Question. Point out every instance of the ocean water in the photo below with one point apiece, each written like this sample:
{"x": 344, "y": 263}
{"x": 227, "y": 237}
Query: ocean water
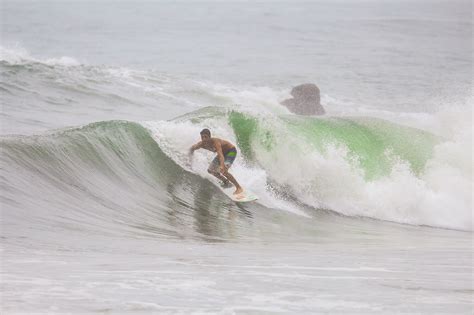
{"x": 365, "y": 210}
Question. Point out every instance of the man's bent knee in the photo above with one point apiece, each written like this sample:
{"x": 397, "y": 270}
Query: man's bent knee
{"x": 212, "y": 171}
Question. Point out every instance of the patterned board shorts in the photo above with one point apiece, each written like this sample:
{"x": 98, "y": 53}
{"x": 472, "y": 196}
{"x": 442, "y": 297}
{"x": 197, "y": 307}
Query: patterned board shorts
{"x": 229, "y": 158}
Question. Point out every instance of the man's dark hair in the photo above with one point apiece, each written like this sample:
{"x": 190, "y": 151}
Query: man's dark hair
{"x": 206, "y": 132}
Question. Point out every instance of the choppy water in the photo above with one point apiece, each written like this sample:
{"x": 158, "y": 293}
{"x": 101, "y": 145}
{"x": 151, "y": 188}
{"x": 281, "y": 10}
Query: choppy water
{"x": 365, "y": 210}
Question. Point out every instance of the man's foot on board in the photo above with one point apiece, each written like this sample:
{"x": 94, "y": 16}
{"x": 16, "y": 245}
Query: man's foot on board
{"x": 238, "y": 191}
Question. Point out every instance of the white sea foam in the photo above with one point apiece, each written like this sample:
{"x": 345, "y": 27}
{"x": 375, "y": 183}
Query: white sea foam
{"x": 440, "y": 195}
{"x": 256, "y": 99}
{"x": 20, "y": 56}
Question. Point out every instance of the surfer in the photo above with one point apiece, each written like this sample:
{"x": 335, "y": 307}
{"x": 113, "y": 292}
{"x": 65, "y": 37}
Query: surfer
{"x": 226, "y": 154}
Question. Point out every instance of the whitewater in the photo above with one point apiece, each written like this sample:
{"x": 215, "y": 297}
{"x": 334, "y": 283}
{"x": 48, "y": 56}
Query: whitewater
{"x": 364, "y": 210}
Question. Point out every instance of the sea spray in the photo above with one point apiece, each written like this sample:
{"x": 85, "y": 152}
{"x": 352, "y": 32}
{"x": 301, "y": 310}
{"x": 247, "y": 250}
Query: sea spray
{"x": 421, "y": 178}
{"x": 357, "y": 166}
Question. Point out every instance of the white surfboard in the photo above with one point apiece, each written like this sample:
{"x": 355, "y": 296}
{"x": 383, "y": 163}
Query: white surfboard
{"x": 245, "y": 196}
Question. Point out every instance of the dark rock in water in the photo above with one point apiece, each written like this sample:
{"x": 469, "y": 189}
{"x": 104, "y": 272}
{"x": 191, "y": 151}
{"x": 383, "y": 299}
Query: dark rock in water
{"x": 306, "y": 100}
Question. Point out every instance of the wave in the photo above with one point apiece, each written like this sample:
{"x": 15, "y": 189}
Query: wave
{"x": 107, "y": 177}
{"x": 129, "y": 174}
{"x": 357, "y": 166}
{"x": 19, "y": 56}
{"x": 64, "y": 92}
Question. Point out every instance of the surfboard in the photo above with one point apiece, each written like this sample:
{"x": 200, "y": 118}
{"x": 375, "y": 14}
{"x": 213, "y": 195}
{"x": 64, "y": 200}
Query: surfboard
{"x": 245, "y": 196}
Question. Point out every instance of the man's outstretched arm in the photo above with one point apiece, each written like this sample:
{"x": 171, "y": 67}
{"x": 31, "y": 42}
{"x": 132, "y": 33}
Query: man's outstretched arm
{"x": 195, "y": 147}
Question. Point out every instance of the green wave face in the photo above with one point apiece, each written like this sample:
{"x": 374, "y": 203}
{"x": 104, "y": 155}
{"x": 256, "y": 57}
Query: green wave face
{"x": 245, "y": 129}
{"x": 373, "y": 144}
{"x": 115, "y": 149}
{"x": 111, "y": 177}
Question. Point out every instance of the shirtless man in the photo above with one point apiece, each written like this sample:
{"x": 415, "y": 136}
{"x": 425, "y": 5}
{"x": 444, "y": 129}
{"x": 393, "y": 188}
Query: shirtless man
{"x": 226, "y": 154}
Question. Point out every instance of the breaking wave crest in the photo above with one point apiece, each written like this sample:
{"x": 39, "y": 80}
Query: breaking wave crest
{"x": 120, "y": 171}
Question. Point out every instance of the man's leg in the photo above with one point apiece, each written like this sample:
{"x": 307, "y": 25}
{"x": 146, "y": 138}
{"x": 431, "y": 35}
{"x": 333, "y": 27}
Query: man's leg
{"x": 218, "y": 175}
{"x": 214, "y": 170}
{"x": 229, "y": 176}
